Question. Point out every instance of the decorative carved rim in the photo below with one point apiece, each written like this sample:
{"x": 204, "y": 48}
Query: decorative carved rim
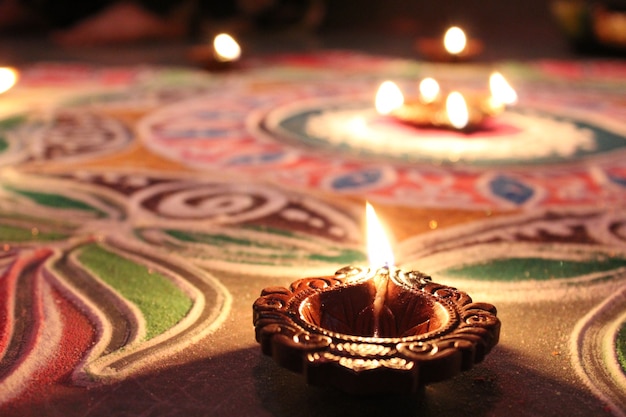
{"x": 301, "y": 329}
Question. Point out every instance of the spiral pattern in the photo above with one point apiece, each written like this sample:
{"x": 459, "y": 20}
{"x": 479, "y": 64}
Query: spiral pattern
{"x": 273, "y": 301}
{"x": 314, "y": 284}
{"x": 481, "y": 319}
{"x": 220, "y": 203}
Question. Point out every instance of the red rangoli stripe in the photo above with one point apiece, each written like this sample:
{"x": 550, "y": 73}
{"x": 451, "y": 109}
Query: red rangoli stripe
{"x": 77, "y": 337}
{"x": 8, "y": 288}
{"x": 7, "y": 297}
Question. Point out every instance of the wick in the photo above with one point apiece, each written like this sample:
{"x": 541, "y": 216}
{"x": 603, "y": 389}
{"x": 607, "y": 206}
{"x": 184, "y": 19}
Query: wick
{"x": 380, "y": 281}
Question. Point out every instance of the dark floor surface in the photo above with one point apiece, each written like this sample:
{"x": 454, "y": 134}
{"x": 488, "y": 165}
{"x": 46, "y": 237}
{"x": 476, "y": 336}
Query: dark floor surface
{"x": 509, "y": 29}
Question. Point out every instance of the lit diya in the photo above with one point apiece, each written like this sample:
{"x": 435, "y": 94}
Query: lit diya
{"x": 222, "y": 54}
{"x": 454, "y": 46}
{"x": 8, "y": 78}
{"x": 456, "y": 111}
{"x": 374, "y": 330}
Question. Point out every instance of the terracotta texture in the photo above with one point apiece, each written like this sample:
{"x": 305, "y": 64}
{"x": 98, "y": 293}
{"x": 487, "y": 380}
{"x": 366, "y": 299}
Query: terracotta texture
{"x": 365, "y": 331}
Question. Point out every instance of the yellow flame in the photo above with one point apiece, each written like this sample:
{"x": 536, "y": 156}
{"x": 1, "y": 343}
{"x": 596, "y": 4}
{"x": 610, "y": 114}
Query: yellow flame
{"x": 501, "y": 90}
{"x": 226, "y": 48}
{"x": 388, "y": 97}
{"x": 378, "y": 247}
{"x": 8, "y": 78}
{"x": 454, "y": 40}
{"x": 457, "y": 111}
{"x": 429, "y": 90}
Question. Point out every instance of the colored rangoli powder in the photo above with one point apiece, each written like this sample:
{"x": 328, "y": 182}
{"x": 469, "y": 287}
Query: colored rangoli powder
{"x": 620, "y": 345}
{"x": 162, "y": 303}
{"x": 519, "y": 269}
{"x": 273, "y": 253}
{"x": 55, "y": 200}
{"x": 19, "y": 234}
{"x": 214, "y": 239}
{"x": 8, "y": 124}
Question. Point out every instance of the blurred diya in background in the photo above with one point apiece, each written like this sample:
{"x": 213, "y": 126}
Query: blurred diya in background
{"x": 423, "y": 122}
{"x": 223, "y": 53}
{"x": 8, "y": 78}
{"x": 454, "y": 46}
{"x": 454, "y": 110}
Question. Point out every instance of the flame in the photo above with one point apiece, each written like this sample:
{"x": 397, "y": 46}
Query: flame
{"x": 454, "y": 40}
{"x": 378, "y": 247}
{"x": 429, "y": 90}
{"x": 457, "y": 111}
{"x": 501, "y": 90}
{"x": 388, "y": 98}
{"x": 8, "y": 78}
{"x": 226, "y": 48}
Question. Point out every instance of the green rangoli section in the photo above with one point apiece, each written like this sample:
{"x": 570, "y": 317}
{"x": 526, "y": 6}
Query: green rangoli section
{"x": 343, "y": 257}
{"x": 521, "y": 269}
{"x": 217, "y": 239}
{"x": 12, "y": 122}
{"x": 162, "y": 303}
{"x": 7, "y": 124}
{"x": 620, "y": 346}
{"x": 272, "y": 253}
{"x": 55, "y": 200}
{"x": 19, "y": 234}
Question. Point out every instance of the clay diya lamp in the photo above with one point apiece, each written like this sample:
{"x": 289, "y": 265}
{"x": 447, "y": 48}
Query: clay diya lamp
{"x": 371, "y": 331}
{"x": 223, "y": 54}
{"x": 463, "y": 112}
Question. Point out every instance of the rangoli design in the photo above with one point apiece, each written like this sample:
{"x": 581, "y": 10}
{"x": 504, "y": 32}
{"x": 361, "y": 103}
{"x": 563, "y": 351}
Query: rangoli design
{"x": 300, "y": 127}
{"x": 146, "y": 203}
{"x": 94, "y": 259}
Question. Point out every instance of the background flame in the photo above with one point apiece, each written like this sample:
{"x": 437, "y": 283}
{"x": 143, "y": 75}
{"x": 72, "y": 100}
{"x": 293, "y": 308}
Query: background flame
{"x": 429, "y": 90}
{"x": 454, "y": 40}
{"x": 388, "y": 98}
{"x": 457, "y": 110}
{"x": 226, "y": 48}
{"x": 8, "y": 78}
{"x": 501, "y": 90}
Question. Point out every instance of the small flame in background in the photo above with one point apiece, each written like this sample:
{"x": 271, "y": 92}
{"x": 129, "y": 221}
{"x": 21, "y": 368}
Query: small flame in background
{"x": 454, "y": 40}
{"x": 457, "y": 111}
{"x": 429, "y": 90}
{"x": 388, "y": 98}
{"x": 8, "y": 78}
{"x": 501, "y": 90}
{"x": 226, "y": 48}
{"x": 378, "y": 247}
